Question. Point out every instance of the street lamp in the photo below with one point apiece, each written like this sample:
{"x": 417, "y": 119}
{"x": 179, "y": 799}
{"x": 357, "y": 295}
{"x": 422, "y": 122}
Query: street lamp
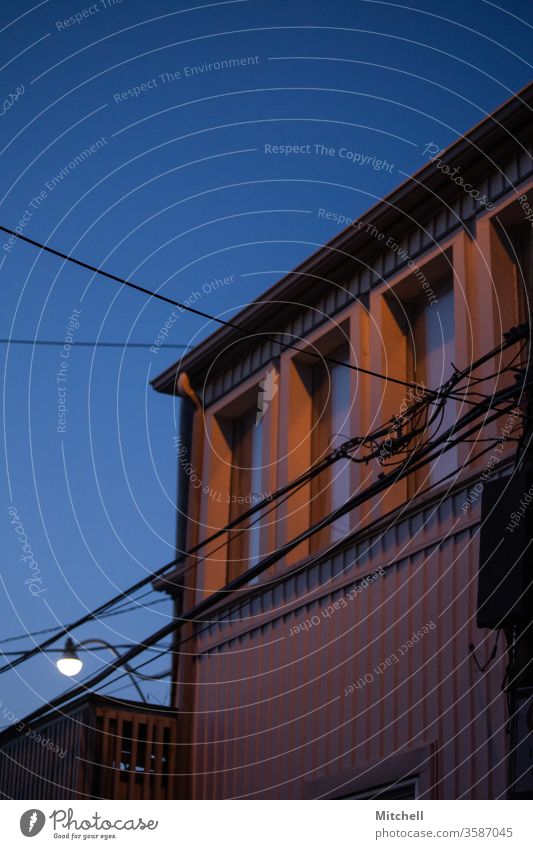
{"x": 70, "y": 664}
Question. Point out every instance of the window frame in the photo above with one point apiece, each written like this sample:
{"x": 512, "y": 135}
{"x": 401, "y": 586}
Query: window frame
{"x": 416, "y": 308}
{"x": 242, "y": 467}
{"x": 322, "y": 442}
{"x": 418, "y": 764}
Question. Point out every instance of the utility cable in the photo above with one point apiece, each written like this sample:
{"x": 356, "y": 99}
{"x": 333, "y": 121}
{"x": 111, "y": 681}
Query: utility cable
{"x": 231, "y": 324}
{"x": 193, "y": 614}
{"x": 59, "y": 344}
{"x": 308, "y": 475}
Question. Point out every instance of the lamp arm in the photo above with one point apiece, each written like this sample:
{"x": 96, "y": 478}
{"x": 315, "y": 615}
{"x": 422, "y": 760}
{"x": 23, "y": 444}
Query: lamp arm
{"x": 116, "y": 653}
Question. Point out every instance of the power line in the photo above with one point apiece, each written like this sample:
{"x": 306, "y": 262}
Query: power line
{"x": 509, "y": 339}
{"x": 201, "y": 313}
{"x": 366, "y": 531}
{"x": 135, "y": 669}
{"x": 373, "y": 489}
{"x": 193, "y": 614}
{"x": 126, "y": 608}
{"x": 284, "y": 493}
{"x": 99, "y": 612}
{"x": 108, "y": 615}
{"x": 125, "y": 594}
{"x": 89, "y": 649}
{"x": 59, "y": 344}
{"x": 153, "y": 639}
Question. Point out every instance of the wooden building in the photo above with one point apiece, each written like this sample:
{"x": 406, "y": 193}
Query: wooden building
{"x": 99, "y": 748}
{"x": 346, "y": 669}
{"x": 351, "y": 665}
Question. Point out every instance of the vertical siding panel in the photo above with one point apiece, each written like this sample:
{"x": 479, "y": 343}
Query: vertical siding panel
{"x": 238, "y": 716}
{"x": 402, "y": 700}
{"x": 262, "y": 751}
{"x": 225, "y": 689}
{"x": 270, "y": 718}
{"x": 384, "y": 603}
{"x": 288, "y": 703}
{"x": 326, "y": 653}
{"x": 467, "y": 679}
{"x": 392, "y": 586}
{"x": 369, "y": 656}
{"x": 283, "y": 654}
{"x": 239, "y": 720}
{"x": 359, "y": 701}
{"x": 419, "y": 652}
{"x": 300, "y": 685}
{"x": 219, "y": 687}
{"x": 314, "y": 694}
{"x": 201, "y": 725}
{"x": 340, "y": 649}
{"x": 212, "y": 747}
{"x": 462, "y": 665}
{"x": 344, "y": 650}
{"x": 446, "y": 748}
{"x": 337, "y": 659}
{"x": 253, "y": 777}
{"x": 246, "y": 721}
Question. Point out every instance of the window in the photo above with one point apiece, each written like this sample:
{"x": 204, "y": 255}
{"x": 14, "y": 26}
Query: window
{"x": 398, "y": 790}
{"x": 510, "y": 240}
{"x": 431, "y": 354}
{"x": 245, "y": 491}
{"x": 522, "y": 240}
{"x": 330, "y": 428}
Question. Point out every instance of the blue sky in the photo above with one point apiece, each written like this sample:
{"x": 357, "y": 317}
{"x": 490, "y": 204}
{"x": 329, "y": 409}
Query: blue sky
{"x": 182, "y": 186}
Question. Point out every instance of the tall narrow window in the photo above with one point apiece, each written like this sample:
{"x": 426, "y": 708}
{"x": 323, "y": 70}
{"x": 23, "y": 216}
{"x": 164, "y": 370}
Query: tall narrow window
{"x": 330, "y": 428}
{"x": 432, "y": 326}
{"x": 246, "y": 490}
{"x": 523, "y": 263}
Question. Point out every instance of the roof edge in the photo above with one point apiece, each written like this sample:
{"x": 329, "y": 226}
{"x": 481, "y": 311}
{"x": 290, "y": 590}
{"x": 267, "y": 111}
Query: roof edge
{"x": 468, "y": 146}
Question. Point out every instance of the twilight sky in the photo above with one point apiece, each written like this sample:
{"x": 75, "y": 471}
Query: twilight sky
{"x": 198, "y": 168}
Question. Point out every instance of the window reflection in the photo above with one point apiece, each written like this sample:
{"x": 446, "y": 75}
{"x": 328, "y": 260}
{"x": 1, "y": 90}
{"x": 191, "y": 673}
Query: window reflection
{"x": 330, "y": 428}
{"x": 432, "y": 354}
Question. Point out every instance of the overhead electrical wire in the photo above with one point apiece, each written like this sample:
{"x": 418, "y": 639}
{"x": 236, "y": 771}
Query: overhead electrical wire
{"x": 126, "y": 607}
{"x": 125, "y": 595}
{"x": 259, "y": 589}
{"x": 85, "y": 648}
{"x": 231, "y": 324}
{"x": 341, "y": 451}
{"x": 193, "y": 614}
{"x": 256, "y": 591}
{"x": 75, "y": 344}
{"x": 119, "y": 610}
{"x": 422, "y": 456}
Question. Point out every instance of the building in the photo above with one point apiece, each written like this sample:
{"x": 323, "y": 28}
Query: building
{"x": 351, "y": 666}
{"x": 97, "y": 748}
{"x": 351, "y": 662}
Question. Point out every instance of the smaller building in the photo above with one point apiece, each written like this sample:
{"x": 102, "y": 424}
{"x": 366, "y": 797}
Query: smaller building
{"x": 98, "y": 748}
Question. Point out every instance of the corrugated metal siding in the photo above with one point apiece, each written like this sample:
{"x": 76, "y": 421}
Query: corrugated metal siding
{"x": 30, "y": 771}
{"x": 271, "y": 711}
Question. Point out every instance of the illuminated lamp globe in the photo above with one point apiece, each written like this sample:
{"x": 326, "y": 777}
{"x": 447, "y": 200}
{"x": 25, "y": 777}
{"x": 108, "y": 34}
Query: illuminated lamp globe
{"x": 69, "y": 663}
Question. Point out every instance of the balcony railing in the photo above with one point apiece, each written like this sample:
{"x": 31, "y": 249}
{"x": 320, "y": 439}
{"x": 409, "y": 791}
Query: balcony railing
{"x": 101, "y": 748}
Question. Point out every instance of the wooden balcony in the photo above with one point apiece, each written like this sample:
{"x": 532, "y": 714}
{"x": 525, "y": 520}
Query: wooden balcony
{"x": 99, "y": 748}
